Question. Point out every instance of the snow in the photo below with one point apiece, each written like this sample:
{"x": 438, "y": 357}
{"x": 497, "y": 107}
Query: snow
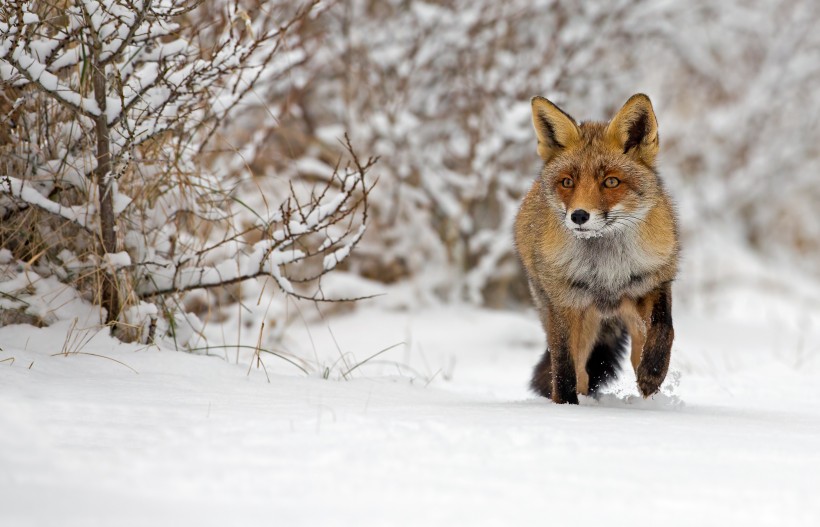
{"x": 68, "y": 169}
{"x": 116, "y": 260}
{"x": 26, "y": 193}
{"x": 438, "y": 430}
{"x": 266, "y": 258}
{"x": 21, "y": 288}
{"x": 333, "y": 259}
{"x": 35, "y": 71}
{"x": 308, "y": 165}
{"x": 68, "y": 58}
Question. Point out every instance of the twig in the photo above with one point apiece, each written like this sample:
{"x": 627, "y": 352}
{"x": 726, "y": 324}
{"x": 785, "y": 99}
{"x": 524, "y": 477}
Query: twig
{"x": 94, "y": 355}
{"x": 372, "y": 357}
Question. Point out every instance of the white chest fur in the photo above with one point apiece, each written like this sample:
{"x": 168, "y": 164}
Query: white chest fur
{"x": 607, "y": 266}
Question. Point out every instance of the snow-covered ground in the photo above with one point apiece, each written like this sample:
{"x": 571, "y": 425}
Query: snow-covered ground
{"x": 438, "y": 430}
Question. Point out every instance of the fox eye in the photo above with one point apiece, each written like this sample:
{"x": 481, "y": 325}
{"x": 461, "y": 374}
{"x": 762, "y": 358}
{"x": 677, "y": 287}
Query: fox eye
{"x": 612, "y": 182}
{"x": 566, "y": 182}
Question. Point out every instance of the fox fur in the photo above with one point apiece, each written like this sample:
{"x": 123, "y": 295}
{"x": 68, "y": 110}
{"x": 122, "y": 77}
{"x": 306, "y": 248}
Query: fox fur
{"x": 598, "y": 240}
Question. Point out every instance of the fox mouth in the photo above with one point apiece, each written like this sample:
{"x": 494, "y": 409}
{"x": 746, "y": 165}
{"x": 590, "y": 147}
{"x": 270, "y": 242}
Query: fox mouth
{"x": 586, "y": 232}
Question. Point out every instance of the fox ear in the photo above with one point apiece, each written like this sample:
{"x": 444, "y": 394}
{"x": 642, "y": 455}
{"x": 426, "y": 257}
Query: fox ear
{"x": 634, "y": 130}
{"x": 555, "y": 129}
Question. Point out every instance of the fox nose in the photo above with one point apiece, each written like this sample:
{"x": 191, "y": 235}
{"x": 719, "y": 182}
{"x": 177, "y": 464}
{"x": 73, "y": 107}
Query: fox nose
{"x": 579, "y": 216}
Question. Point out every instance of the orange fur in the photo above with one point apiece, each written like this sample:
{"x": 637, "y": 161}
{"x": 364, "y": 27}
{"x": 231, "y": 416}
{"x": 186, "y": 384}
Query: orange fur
{"x": 613, "y": 270}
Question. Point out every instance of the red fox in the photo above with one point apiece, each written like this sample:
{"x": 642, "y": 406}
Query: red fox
{"x": 598, "y": 239}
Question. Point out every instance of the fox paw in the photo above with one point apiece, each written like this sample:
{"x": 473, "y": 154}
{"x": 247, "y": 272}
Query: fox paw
{"x": 567, "y": 398}
{"x": 649, "y": 380}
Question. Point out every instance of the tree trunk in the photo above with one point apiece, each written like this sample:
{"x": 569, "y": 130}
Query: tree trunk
{"x": 102, "y": 177}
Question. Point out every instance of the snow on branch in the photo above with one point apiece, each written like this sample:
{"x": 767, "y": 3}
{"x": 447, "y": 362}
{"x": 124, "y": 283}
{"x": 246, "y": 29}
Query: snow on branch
{"x": 82, "y": 216}
{"x": 327, "y": 225}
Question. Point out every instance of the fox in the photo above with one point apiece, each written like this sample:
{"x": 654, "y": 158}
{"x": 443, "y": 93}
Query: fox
{"x": 597, "y": 237}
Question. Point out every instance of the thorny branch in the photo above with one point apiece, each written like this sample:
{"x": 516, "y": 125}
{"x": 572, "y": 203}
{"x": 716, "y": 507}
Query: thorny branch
{"x": 301, "y": 229}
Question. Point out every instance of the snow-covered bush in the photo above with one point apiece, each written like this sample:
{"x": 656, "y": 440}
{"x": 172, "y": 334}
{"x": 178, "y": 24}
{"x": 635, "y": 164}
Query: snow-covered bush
{"x": 109, "y": 110}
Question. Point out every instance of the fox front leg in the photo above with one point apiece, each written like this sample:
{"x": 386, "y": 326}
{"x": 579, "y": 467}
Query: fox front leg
{"x": 563, "y": 370}
{"x": 657, "y": 349}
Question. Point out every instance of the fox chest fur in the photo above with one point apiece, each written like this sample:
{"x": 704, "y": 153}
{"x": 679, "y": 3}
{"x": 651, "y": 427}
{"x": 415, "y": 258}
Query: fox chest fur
{"x": 604, "y": 270}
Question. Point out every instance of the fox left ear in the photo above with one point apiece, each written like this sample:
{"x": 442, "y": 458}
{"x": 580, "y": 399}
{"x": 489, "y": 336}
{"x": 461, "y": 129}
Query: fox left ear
{"x": 634, "y": 130}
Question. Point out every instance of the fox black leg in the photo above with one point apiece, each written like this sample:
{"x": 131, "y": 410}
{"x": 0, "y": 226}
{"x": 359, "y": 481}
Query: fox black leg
{"x": 563, "y": 371}
{"x": 541, "y": 382}
{"x": 659, "y": 335}
{"x": 563, "y": 376}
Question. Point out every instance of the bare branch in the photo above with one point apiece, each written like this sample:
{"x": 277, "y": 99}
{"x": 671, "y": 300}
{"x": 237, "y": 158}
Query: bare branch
{"x": 278, "y": 251}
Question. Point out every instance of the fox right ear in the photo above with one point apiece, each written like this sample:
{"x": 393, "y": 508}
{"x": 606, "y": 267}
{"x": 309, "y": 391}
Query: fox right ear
{"x": 555, "y": 129}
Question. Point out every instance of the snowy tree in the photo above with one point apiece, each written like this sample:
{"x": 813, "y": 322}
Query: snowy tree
{"x": 108, "y": 107}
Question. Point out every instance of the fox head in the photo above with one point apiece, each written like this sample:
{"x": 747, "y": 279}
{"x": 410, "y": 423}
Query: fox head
{"x": 598, "y": 177}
